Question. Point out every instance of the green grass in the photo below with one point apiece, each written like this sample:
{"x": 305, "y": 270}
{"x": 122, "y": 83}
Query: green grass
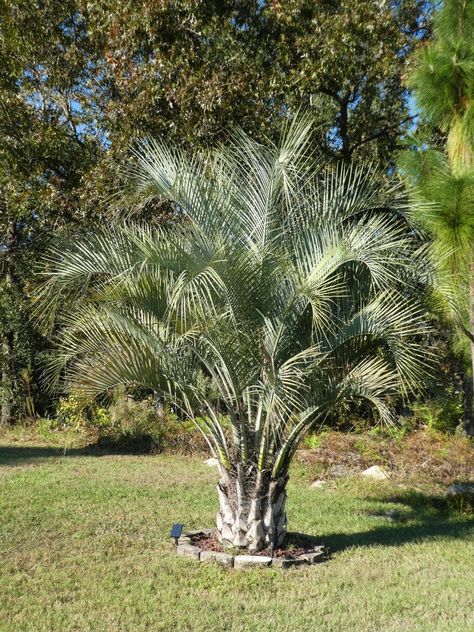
{"x": 84, "y": 546}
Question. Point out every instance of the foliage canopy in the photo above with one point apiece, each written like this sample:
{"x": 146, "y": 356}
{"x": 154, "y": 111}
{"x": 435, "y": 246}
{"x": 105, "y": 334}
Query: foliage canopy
{"x": 290, "y": 285}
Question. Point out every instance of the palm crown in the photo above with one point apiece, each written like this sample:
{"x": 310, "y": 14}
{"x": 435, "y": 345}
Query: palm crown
{"x": 289, "y": 285}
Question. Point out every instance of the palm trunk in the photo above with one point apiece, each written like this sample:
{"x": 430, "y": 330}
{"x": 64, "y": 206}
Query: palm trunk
{"x": 252, "y": 512}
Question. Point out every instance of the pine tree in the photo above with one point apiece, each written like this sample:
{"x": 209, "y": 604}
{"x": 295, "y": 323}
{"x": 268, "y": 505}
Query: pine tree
{"x": 443, "y": 170}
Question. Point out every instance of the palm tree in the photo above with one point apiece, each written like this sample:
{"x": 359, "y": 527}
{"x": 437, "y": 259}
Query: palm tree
{"x": 443, "y": 83}
{"x": 291, "y": 286}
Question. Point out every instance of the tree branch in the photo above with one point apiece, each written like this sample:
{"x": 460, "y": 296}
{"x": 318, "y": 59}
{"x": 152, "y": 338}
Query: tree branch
{"x": 383, "y": 131}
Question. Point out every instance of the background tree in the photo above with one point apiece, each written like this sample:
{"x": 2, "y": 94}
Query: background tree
{"x": 347, "y": 59}
{"x": 442, "y": 169}
{"x": 190, "y": 70}
{"x": 292, "y": 288}
{"x": 80, "y": 80}
{"x": 44, "y": 150}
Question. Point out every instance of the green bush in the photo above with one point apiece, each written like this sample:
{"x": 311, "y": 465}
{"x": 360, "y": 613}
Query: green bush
{"x": 141, "y": 427}
{"x": 311, "y": 441}
{"x": 443, "y": 414}
{"x": 71, "y": 412}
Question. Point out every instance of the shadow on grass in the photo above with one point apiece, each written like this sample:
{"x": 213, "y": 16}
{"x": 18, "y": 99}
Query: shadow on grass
{"x": 142, "y": 444}
{"x": 401, "y": 534}
{"x": 11, "y": 456}
{"x": 430, "y": 517}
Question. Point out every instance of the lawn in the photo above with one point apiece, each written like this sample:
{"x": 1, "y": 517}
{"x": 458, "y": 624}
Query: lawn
{"x": 84, "y": 546}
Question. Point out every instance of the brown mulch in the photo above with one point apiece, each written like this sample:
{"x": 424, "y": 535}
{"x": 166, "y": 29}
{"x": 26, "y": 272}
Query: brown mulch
{"x": 295, "y": 544}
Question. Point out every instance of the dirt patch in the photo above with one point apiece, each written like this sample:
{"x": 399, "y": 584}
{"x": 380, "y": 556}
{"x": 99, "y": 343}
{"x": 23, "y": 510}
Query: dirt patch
{"x": 424, "y": 457}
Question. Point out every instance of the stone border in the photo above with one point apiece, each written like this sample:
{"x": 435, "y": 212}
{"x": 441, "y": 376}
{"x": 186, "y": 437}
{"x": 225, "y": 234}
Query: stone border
{"x": 186, "y": 548}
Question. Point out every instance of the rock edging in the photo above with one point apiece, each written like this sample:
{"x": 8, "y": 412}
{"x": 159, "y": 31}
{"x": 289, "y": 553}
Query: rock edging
{"x": 186, "y": 548}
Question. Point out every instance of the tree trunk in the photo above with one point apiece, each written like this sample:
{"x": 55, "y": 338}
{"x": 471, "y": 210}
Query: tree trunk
{"x": 7, "y": 341}
{"x": 252, "y": 512}
{"x": 6, "y": 410}
{"x": 468, "y": 425}
{"x": 346, "y": 150}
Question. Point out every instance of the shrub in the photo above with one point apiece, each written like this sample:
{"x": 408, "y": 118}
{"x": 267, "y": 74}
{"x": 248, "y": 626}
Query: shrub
{"x": 311, "y": 441}
{"x": 443, "y": 414}
{"x": 143, "y": 427}
{"x": 71, "y": 412}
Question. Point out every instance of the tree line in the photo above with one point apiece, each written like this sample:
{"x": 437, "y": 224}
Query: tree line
{"x": 81, "y": 81}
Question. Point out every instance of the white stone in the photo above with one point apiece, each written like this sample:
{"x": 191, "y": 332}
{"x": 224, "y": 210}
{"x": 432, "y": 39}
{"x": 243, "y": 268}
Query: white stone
{"x": 376, "y": 472}
{"x": 247, "y": 561}
{"x": 186, "y": 550}
{"x": 216, "y": 556}
{"x": 211, "y": 462}
{"x": 313, "y": 558}
{"x": 318, "y": 483}
{"x": 460, "y": 489}
{"x": 284, "y": 562}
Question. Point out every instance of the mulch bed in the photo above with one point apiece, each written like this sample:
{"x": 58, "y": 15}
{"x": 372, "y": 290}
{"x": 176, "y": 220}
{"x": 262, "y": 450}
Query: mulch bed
{"x": 295, "y": 544}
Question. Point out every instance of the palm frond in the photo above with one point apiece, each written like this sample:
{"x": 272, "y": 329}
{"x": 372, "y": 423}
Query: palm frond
{"x": 289, "y": 285}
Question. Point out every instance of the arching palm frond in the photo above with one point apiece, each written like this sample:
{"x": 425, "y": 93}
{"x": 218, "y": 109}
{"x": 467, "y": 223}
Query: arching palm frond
{"x": 291, "y": 285}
